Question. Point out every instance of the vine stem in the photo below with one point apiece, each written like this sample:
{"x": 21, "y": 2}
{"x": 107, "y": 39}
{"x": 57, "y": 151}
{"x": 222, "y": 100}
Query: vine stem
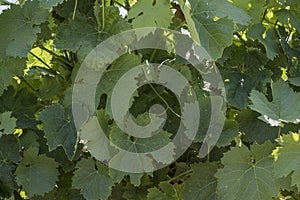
{"x": 68, "y": 64}
{"x": 180, "y": 175}
{"x": 48, "y": 67}
{"x": 28, "y": 84}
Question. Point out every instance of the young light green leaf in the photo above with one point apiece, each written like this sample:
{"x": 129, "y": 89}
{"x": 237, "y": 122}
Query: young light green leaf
{"x": 92, "y": 179}
{"x": 280, "y": 109}
{"x": 247, "y": 174}
{"x": 7, "y": 123}
{"x": 37, "y": 174}
{"x": 287, "y": 158}
{"x": 59, "y": 130}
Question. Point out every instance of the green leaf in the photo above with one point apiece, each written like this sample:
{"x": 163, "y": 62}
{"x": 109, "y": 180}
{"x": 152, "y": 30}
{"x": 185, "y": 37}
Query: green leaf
{"x": 7, "y": 123}
{"x": 59, "y": 129}
{"x": 255, "y": 129}
{"x": 150, "y": 13}
{"x": 118, "y": 176}
{"x": 290, "y": 15}
{"x": 37, "y": 174}
{"x": 214, "y": 35}
{"x": 111, "y": 76}
{"x": 202, "y": 183}
{"x": 288, "y": 158}
{"x": 9, "y": 157}
{"x": 247, "y": 174}
{"x": 23, "y": 105}
{"x": 92, "y": 179}
{"x": 166, "y": 192}
{"x": 10, "y": 67}
{"x": 21, "y": 28}
{"x": 49, "y": 3}
{"x": 69, "y": 37}
{"x": 280, "y": 109}
{"x": 268, "y": 38}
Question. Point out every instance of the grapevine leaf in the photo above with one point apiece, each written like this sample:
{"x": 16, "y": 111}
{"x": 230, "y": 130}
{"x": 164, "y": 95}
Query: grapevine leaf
{"x": 97, "y": 143}
{"x": 22, "y": 104}
{"x": 149, "y": 13}
{"x": 37, "y": 174}
{"x": 59, "y": 130}
{"x": 9, "y": 157}
{"x": 229, "y": 132}
{"x": 111, "y": 76}
{"x": 49, "y": 3}
{"x": 280, "y": 109}
{"x": 69, "y": 37}
{"x": 224, "y": 9}
{"x": 268, "y": 38}
{"x": 202, "y": 184}
{"x": 295, "y": 81}
{"x": 288, "y": 160}
{"x": 139, "y": 145}
{"x": 166, "y": 192}
{"x": 292, "y": 14}
{"x": 247, "y": 174}
{"x": 255, "y": 129}
{"x": 18, "y": 20}
{"x": 92, "y": 179}
{"x": 117, "y": 176}
{"x": 7, "y": 123}
{"x": 214, "y": 35}
{"x": 9, "y": 68}
{"x": 239, "y": 86}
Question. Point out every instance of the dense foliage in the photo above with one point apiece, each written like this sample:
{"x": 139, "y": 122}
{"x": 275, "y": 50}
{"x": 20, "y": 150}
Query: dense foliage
{"x": 256, "y": 47}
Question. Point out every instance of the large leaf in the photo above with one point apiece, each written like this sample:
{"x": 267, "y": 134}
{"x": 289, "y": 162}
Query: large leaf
{"x": 288, "y": 158}
{"x": 9, "y": 157}
{"x": 166, "y": 192}
{"x": 202, "y": 184}
{"x": 92, "y": 179}
{"x": 10, "y": 67}
{"x": 7, "y": 123}
{"x": 214, "y": 35}
{"x": 150, "y": 13}
{"x": 111, "y": 76}
{"x": 247, "y": 174}
{"x": 59, "y": 130}
{"x": 37, "y": 174}
{"x": 21, "y": 28}
{"x": 268, "y": 38}
{"x": 285, "y": 106}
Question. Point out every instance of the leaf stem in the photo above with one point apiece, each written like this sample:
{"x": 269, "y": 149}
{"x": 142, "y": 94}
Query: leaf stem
{"x": 75, "y": 8}
{"x": 165, "y": 102}
{"x": 279, "y": 131}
